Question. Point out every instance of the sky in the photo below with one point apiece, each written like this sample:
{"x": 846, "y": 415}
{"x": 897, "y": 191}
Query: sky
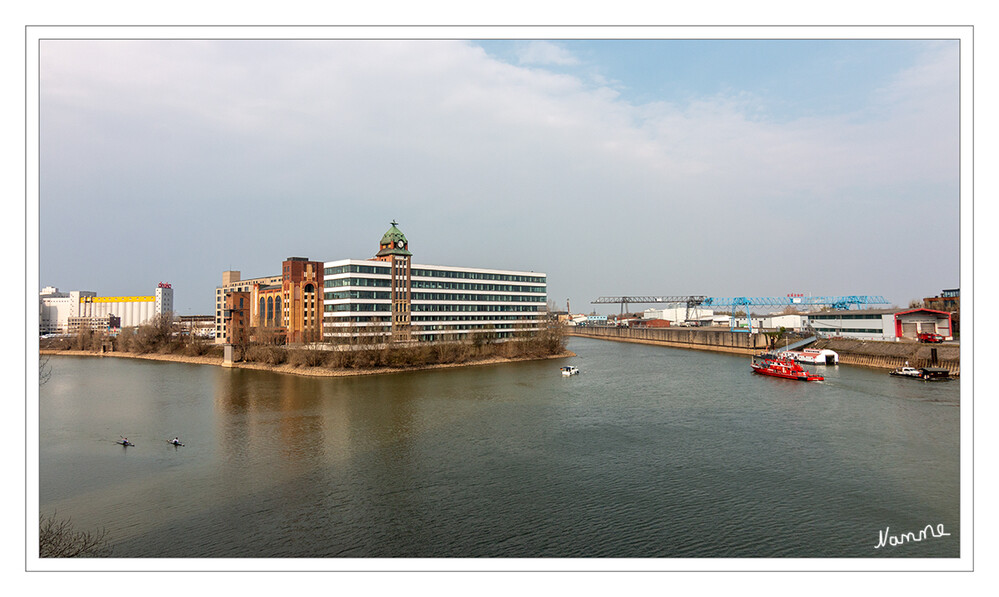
{"x": 617, "y": 167}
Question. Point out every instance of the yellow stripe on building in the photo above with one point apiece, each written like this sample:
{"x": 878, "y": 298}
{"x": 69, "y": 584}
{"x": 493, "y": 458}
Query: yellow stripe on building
{"x": 117, "y": 299}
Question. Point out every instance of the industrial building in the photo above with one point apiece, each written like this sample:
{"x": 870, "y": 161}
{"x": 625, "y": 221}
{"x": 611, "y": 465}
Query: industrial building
{"x": 286, "y": 308}
{"x": 232, "y": 282}
{"x": 384, "y": 298}
{"x": 681, "y": 315}
{"x": 881, "y": 324}
{"x": 388, "y": 297}
{"x": 67, "y": 312}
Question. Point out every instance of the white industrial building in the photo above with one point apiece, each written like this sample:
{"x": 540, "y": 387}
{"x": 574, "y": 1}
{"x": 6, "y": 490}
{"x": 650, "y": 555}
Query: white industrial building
{"x": 63, "y": 312}
{"x": 678, "y": 315}
{"x": 795, "y": 322}
{"x": 447, "y": 302}
{"x": 881, "y": 324}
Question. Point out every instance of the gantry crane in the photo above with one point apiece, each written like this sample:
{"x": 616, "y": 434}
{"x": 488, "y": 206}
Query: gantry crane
{"x": 690, "y": 301}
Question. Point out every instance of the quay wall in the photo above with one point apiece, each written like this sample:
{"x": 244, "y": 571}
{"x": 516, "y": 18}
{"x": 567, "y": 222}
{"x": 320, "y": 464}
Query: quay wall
{"x": 698, "y": 339}
{"x": 892, "y": 355}
{"x": 890, "y": 362}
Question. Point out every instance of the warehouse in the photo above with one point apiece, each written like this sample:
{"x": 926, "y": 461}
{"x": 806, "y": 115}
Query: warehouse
{"x": 867, "y": 324}
{"x": 909, "y": 324}
{"x": 881, "y": 324}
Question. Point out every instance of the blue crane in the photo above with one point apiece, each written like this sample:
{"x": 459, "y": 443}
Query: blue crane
{"x": 836, "y": 302}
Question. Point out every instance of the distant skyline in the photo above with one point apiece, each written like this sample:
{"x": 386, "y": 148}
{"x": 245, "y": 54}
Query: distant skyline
{"x": 617, "y": 167}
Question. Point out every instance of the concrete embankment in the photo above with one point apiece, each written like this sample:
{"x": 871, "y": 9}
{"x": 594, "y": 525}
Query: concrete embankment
{"x": 695, "y": 338}
{"x": 881, "y": 355}
{"x": 892, "y": 355}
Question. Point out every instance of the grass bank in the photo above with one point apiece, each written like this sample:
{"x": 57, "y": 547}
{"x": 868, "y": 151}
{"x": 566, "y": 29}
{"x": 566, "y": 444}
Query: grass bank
{"x": 160, "y": 341}
{"x": 310, "y": 371}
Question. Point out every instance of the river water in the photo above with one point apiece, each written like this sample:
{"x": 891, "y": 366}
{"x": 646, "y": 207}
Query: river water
{"x": 649, "y": 452}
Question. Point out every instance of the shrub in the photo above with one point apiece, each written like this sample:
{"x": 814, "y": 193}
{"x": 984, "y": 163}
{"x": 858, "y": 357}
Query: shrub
{"x": 308, "y": 357}
{"x": 269, "y": 355}
{"x": 197, "y": 348}
{"x": 58, "y": 539}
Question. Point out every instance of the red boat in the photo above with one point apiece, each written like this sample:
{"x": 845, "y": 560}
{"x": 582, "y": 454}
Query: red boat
{"x": 782, "y": 366}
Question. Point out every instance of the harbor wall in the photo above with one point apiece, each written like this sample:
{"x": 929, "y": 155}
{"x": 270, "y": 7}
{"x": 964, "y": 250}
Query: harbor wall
{"x": 698, "y": 339}
{"x": 892, "y": 355}
{"x": 890, "y": 362}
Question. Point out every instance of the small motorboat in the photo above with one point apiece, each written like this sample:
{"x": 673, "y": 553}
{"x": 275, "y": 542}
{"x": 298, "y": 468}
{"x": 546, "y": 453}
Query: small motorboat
{"x": 569, "y": 370}
{"x": 925, "y": 373}
{"x": 777, "y": 365}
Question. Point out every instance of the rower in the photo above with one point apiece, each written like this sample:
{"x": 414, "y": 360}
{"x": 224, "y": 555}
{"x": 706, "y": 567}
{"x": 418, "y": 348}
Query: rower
{"x": 176, "y": 441}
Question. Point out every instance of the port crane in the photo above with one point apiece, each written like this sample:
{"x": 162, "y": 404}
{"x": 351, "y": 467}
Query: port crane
{"x": 836, "y": 302}
{"x": 690, "y": 301}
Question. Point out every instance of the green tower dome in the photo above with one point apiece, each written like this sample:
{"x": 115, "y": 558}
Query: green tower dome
{"x": 393, "y": 242}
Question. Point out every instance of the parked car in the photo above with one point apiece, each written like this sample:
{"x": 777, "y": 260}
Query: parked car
{"x": 931, "y": 338}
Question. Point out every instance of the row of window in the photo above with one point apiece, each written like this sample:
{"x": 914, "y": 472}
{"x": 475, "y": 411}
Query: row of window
{"x": 487, "y": 308}
{"x": 433, "y": 285}
{"x": 505, "y": 298}
{"x": 850, "y": 330}
{"x": 334, "y": 320}
{"x": 341, "y": 307}
{"x": 427, "y": 296}
{"x": 820, "y": 317}
{"x": 422, "y": 284}
{"x": 432, "y": 273}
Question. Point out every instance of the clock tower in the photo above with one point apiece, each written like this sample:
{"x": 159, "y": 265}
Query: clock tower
{"x": 394, "y": 248}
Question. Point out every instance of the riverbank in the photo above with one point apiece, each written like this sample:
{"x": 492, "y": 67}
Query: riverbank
{"x": 300, "y": 370}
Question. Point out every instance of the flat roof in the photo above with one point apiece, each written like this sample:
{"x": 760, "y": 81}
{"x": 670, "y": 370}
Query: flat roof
{"x": 453, "y": 268}
{"x": 906, "y": 312}
{"x": 852, "y": 312}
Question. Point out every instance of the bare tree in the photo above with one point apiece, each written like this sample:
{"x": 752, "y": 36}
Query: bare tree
{"x": 44, "y": 370}
{"x": 58, "y": 539}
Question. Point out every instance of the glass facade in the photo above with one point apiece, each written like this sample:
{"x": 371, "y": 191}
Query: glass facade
{"x": 447, "y": 303}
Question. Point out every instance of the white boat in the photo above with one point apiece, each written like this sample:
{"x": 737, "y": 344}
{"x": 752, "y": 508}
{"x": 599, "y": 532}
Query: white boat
{"x": 570, "y": 370}
{"x": 814, "y": 356}
{"x": 928, "y": 373}
{"x": 907, "y": 372}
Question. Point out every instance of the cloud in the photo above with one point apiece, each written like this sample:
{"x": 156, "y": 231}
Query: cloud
{"x": 310, "y": 147}
{"x": 545, "y": 53}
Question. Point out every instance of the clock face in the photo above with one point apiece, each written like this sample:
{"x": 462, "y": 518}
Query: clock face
{"x": 399, "y": 244}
